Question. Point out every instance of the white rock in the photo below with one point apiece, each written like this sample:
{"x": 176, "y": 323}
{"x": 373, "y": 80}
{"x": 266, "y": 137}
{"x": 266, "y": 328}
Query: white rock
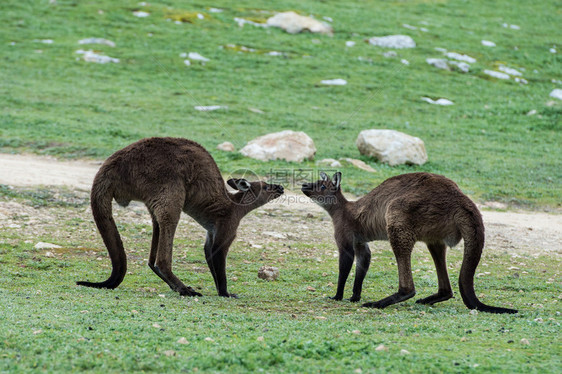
{"x": 392, "y": 147}
{"x": 405, "y": 62}
{"x": 226, "y": 146}
{"x": 404, "y": 352}
{"x": 329, "y": 19}
{"x": 241, "y": 22}
{"x": 187, "y": 62}
{"x": 43, "y": 245}
{"x": 97, "y": 41}
{"x": 552, "y": 50}
{"x": 215, "y": 10}
{"x": 285, "y": 145}
{"x": 256, "y": 110}
{"x": 200, "y": 16}
{"x": 510, "y": 71}
{"x": 209, "y": 108}
{"x": 488, "y": 43}
{"x": 333, "y": 163}
{"x": 462, "y": 66}
{"x": 380, "y": 348}
{"x": 197, "y": 57}
{"x": 496, "y": 74}
{"x": 183, "y": 55}
{"x": 334, "y": 82}
{"x": 91, "y": 56}
{"x": 349, "y": 43}
{"x": 520, "y": 80}
{"x": 269, "y": 273}
{"x": 359, "y": 164}
{"x": 438, "y": 101}
{"x": 460, "y": 57}
{"x": 424, "y": 29}
{"x": 439, "y": 49}
{"x": 390, "y": 54}
{"x": 514, "y": 27}
{"x": 532, "y": 112}
{"x": 556, "y": 93}
{"x": 294, "y": 23}
{"x": 410, "y": 27}
{"x": 438, "y": 63}
{"x": 275, "y": 53}
{"x": 141, "y": 14}
{"x": 393, "y": 41}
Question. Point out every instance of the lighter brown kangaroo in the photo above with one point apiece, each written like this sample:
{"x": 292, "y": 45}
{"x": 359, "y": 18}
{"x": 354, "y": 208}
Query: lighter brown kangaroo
{"x": 405, "y": 209}
{"x": 171, "y": 175}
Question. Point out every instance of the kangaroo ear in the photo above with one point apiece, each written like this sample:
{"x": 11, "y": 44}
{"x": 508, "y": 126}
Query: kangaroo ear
{"x": 232, "y": 183}
{"x": 336, "y": 180}
{"x": 324, "y": 176}
{"x": 239, "y": 184}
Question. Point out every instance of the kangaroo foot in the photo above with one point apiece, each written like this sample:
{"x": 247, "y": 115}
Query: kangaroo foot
{"x": 354, "y": 298}
{"x": 232, "y": 295}
{"x": 188, "y": 291}
{"x": 337, "y": 298}
{"x": 436, "y": 298}
{"x": 392, "y": 299}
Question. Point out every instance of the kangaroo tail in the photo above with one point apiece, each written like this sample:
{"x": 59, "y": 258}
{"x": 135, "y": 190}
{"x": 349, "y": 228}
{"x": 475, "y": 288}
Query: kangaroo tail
{"x": 472, "y": 230}
{"x": 100, "y": 201}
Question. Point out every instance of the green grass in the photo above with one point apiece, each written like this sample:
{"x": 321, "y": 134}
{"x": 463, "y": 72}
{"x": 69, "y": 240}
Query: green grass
{"x": 54, "y": 103}
{"x": 49, "y": 324}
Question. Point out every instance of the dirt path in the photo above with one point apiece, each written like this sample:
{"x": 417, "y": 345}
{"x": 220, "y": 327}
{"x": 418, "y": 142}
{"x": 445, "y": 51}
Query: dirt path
{"x": 512, "y": 231}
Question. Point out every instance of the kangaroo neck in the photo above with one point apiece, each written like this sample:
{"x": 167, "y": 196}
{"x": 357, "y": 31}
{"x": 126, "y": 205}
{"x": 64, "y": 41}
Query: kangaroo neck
{"x": 339, "y": 207}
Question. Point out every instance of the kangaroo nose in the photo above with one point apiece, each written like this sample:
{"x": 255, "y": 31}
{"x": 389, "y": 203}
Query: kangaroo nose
{"x": 280, "y": 188}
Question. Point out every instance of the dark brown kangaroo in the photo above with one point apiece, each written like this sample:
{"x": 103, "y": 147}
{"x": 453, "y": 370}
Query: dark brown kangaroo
{"x": 171, "y": 175}
{"x": 405, "y": 209}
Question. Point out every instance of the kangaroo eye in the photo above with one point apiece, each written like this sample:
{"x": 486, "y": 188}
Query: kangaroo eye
{"x": 323, "y": 187}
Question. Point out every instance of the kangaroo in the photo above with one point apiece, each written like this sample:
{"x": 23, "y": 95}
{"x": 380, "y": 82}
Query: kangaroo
{"x": 171, "y": 175}
{"x": 405, "y": 209}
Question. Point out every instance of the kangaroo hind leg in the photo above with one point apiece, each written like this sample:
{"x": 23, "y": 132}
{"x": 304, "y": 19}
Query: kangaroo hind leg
{"x": 165, "y": 221}
{"x": 438, "y": 251}
{"x": 402, "y": 241}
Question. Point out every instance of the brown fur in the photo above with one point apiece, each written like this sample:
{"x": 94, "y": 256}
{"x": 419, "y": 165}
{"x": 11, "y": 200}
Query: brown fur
{"x": 405, "y": 209}
{"x": 171, "y": 175}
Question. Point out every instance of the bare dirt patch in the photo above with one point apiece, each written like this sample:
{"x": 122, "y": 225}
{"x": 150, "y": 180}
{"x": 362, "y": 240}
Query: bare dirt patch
{"x": 292, "y": 218}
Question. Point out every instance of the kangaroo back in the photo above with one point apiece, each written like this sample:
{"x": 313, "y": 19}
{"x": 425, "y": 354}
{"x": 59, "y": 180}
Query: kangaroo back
{"x": 470, "y": 224}
{"x": 100, "y": 200}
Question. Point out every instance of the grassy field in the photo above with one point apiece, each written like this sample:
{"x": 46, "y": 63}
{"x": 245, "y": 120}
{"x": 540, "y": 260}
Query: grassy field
{"x": 53, "y": 102}
{"x": 289, "y": 325}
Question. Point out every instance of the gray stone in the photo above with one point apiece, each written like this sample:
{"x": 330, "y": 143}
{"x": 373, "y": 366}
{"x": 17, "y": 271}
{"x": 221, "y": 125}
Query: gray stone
{"x": 269, "y": 273}
{"x": 393, "y": 41}
{"x": 359, "y": 164}
{"x": 294, "y": 23}
{"x": 285, "y": 145}
{"x": 556, "y": 93}
{"x": 226, "y": 146}
{"x": 392, "y": 147}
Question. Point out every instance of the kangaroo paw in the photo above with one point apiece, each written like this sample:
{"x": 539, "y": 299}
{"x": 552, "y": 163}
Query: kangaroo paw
{"x": 436, "y": 298}
{"x": 188, "y": 291}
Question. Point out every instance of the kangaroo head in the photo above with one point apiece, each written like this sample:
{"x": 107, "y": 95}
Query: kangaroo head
{"x": 323, "y": 192}
{"x": 254, "y": 193}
